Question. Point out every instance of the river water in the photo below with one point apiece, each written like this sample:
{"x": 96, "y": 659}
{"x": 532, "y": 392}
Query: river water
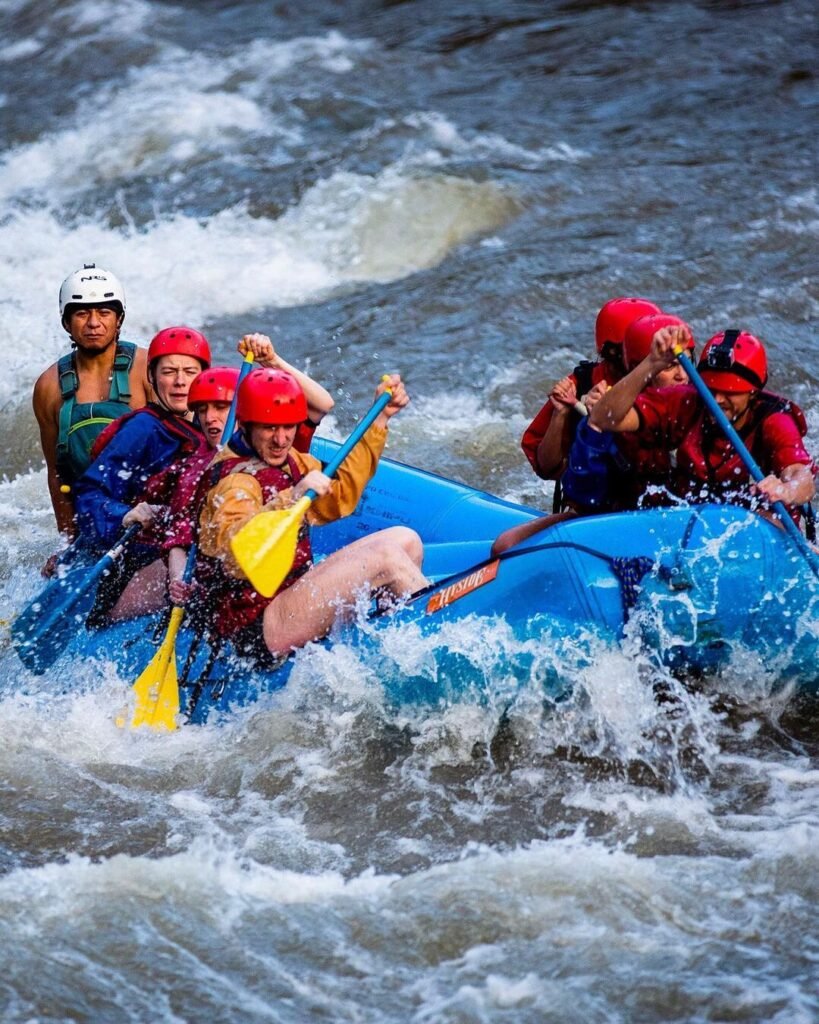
{"x": 452, "y": 191}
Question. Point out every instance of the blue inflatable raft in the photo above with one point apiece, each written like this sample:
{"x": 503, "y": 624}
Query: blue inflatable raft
{"x": 693, "y": 584}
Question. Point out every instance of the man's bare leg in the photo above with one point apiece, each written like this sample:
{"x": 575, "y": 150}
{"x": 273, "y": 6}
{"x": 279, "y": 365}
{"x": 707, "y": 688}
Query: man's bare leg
{"x": 388, "y": 561}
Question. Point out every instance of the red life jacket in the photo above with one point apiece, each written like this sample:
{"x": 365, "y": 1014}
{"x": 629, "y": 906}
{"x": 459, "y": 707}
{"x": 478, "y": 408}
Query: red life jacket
{"x": 708, "y": 466}
{"x": 233, "y": 603}
{"x": 643, "y": 474}
{"x": 175, "y": 489}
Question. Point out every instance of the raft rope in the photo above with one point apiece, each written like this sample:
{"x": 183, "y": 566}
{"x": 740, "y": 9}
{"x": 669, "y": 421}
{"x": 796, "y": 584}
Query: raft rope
{"x": 628, "y": 570}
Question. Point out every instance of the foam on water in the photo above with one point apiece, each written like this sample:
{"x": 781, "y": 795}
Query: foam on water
{"x": 165, "y": 114}
{"x": 481, "y": 928}
{"x": 448, "y": 141}
{"x": 71, "y": 889}
{"x": 234, "y": 812}
{"x": 348, "y": 229}
{"x": 29, "y": 537}
{"x": 88, "y": 20}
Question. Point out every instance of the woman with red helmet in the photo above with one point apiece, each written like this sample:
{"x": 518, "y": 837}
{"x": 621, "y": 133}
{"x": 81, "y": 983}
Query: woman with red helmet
{"x": 264, "y": 470}
{"x": 548, "y": 438}
{"x": 734, "y": 366}
{"x": 210, "y": 398}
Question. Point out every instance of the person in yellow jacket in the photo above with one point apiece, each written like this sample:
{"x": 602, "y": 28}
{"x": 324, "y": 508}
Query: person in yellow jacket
{"x": 263, "y": 471}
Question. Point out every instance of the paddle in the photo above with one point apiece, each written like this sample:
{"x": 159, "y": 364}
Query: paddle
{"x": 266, "y": 546}
{"x": 790, "y": 526}
{"x": 230, "y": 422}
{"x": 41, "y": 631}
{"x": 157, "y": 687}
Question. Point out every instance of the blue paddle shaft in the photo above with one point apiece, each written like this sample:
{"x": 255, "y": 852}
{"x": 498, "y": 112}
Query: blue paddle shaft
{"x": 227, "y": 433}
{"x": 750, "y": 464}
{"x": 230, "y": 422}
{"x": 332, "y": 467}
{"x": 101, "y": 567}
{"x": 52, "y": 614}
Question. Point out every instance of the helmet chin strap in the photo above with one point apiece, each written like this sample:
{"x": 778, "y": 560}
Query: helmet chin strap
{"x": 159, "y": 401}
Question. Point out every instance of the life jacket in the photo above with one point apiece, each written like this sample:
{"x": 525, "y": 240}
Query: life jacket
{"x": 176, "y": 489}
{"x": 709, "y": 465}
{"x": 587, "y": 480}
{"x": 234, "y": 604}
{"x": 645, "y": 476}
{"x": 80, "y": 423}
{"x": 590, "y": 491}
{"x": 190, "y": 438}
{"x": 587, "y": 373}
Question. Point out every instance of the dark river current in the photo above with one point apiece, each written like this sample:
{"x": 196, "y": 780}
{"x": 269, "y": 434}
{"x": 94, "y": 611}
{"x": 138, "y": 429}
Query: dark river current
{"x": 449, "y": 190}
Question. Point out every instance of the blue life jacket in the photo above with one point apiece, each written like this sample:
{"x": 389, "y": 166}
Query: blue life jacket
{"x": 592, "y": 459}
{"x": 139, "y": 445}
{"x": 81, "y": 422}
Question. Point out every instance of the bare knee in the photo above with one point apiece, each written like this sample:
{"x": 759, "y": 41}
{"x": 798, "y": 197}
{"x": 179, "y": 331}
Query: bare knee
{"x": 408, "y": 540}
{"x": 400, "y": 555}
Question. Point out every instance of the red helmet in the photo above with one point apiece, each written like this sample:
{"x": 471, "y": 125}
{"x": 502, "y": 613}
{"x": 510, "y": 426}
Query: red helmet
{"x": 615, "y": 316}
{"x": 734, "y": 361}
{"x": 272, "y": 397}
{"x": 180, "y": 341}
{"x": 218, "y": 384}
{"x": 639, "y": 333}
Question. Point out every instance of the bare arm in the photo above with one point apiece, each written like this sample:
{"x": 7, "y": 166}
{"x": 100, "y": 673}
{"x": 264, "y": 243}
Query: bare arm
{"x": 357, "y": 469}
{"x": 178, "y": 591}
{"x": 46, "y": 404}
{"x": 553, "y": 448}
{"x": 141, "y": 390}
{"x": 615, "y": 410}
{"x": 398, "y": 401}
{"x": 319, "y": 401}
{"x": 555, "y": 444}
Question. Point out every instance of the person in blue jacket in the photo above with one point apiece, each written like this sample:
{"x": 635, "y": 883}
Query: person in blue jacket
{"x": 130, "y": 451}
{"x": 137, "y": 445}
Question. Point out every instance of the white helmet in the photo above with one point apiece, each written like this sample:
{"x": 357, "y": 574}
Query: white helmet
{"x": 91, "y": 286}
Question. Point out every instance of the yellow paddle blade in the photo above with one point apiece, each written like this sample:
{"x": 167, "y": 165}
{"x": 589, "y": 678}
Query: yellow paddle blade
{"x": 157, "y": 689}
{"x": 266, "y": 546}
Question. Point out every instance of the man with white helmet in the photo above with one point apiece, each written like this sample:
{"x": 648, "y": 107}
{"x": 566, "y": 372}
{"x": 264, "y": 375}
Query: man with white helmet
{"x": 99, "y": 380}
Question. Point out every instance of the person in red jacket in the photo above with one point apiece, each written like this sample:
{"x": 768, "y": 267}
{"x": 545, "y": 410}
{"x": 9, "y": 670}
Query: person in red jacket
{"x": 616, "y": 472}
{"x": 606, "y": 472}
{"x": 548, "y": 438}
{"x": 734, "y": 367}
